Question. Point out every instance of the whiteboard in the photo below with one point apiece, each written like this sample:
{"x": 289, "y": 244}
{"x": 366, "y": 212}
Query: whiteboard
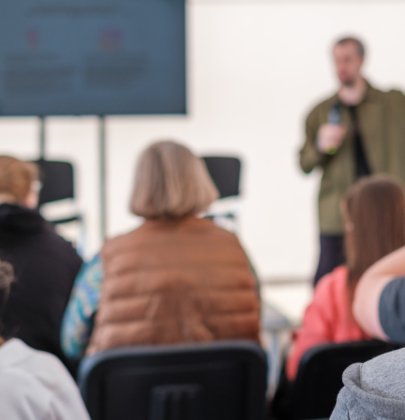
{"x": 92, "y": 57}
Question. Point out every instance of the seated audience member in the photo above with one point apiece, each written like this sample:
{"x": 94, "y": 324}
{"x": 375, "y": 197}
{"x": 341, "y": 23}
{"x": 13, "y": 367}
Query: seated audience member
{"x": 45, "y": 264}
{"x": 374, "y": 216}
{"x": 177, "y": 278}
{"x": 373, "y": 390}
{"x": 33, "y": 385}
{"x": 379, "y": 304}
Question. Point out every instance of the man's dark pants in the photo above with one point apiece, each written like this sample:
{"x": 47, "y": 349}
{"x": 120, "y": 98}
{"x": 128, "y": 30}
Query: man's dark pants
{"x": 332, "y": 255}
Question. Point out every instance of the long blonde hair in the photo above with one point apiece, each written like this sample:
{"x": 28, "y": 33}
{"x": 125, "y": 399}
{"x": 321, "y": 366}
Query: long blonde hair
{"x": 171, "y": 183}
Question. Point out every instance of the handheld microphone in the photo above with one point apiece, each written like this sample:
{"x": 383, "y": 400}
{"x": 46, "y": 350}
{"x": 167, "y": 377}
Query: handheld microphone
{"x": 334, "y": 118}
{"x": 334, "y": 114}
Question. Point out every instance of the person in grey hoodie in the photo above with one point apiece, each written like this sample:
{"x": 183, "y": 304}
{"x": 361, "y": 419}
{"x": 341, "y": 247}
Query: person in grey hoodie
{"x": 373, "y": 390}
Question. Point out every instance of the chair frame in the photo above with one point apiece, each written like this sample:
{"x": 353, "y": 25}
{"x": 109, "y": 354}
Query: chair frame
{"x": 93, "y": 368}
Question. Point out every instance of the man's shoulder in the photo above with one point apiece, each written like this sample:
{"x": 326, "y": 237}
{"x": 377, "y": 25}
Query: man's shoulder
{"x": 396, "y": 96}
{"x": 392, "y": 95}
{"x": 322, "y": 107}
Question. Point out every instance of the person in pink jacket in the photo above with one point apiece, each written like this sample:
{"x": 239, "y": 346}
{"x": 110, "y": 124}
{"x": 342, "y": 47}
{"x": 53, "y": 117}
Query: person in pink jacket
{"x": 374, "y": 216}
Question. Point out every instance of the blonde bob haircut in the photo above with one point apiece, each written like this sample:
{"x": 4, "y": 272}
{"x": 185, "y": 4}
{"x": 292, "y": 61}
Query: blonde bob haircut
{"x": 171, "y": 183}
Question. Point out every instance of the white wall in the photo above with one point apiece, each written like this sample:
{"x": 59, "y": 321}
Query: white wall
{"x": 255, "y": 69}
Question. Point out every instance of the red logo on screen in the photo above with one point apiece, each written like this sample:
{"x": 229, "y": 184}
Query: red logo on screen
{"x": 111, "y": 39}
{"x": 32, "y": 38}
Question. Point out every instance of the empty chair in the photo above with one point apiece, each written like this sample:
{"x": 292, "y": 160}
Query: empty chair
{"x": 319, "y": 378}
{"x": 58, "y": 183}
{"x": 57, "y": 179}
{"x": 216, "y": 381}
{"x": 225, "y": 171}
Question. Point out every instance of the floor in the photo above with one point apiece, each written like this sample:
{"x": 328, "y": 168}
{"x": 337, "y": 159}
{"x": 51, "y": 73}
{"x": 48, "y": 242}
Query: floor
{"x": 290, "y": 299}
{"x": 282, "y": 311}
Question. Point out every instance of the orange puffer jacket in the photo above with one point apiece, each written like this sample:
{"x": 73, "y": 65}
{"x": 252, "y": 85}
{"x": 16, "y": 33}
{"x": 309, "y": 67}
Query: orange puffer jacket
{"x": 173, "y": 282}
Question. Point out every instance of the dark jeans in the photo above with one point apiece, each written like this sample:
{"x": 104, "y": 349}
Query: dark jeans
{"x": 331, "y": 256}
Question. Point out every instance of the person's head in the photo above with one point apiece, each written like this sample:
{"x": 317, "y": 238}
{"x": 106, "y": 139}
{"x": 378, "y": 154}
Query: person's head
{"x": 171, "y": 183}
{"x": 348, "y": 54}
{"x": 374, "y": 216}
{"x": 18, "y": 182}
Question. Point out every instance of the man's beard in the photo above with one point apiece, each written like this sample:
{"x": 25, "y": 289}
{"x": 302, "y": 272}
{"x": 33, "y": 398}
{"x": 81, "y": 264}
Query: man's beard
{"x": 349, "y": 83}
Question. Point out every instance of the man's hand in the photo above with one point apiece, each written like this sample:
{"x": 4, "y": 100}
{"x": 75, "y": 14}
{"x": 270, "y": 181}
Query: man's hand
{"x": 330, "y": 138}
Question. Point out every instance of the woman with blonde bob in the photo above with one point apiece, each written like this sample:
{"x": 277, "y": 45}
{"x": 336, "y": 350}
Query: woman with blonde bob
{"x": 177, "y": 278}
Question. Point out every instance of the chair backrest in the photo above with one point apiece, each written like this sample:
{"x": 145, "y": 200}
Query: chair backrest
{"x": 215, "y": 381}
{"x": 319, "y": 377}
{"x": 57, "y": 181}
{"x": 225, "y": 172}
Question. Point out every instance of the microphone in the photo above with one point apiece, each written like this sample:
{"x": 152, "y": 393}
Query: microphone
{"x": 334, "y": 118}
{"x": 334, "y": 114}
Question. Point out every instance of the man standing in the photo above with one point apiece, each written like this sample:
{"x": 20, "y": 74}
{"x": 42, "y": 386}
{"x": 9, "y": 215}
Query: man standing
{"x": 357, "y": 132}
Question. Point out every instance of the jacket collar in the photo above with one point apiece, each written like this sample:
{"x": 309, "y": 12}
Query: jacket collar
{"x": 17, "y": 218}
{"x": 13, "y": 352}
{"x": 175, "y": 223}
{"x": 371, "y": 93}
{"x": 370, "y": 96}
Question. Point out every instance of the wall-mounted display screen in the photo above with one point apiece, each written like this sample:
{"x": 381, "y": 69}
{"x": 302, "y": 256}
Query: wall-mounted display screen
{"x": 92, "y": 57}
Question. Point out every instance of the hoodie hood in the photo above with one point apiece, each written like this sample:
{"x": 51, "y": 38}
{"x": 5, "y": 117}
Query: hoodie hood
{"x": 374, "y": 390}
{"x": 21, "y": 219}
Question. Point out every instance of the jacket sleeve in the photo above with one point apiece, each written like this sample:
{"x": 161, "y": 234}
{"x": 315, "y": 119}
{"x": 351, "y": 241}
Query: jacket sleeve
{"x": 317, "y": 326}
{"x": 83, "y": 304}
{"x": 310, "y": 157}
{"x": 391, "y": 310}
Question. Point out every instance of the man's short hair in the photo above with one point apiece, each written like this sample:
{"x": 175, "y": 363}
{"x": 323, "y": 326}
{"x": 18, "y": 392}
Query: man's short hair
{"x": 360, "y": 46}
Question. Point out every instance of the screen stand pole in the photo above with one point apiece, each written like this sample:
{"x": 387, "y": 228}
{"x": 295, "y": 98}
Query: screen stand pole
{"x": 103, "y": 177}
{"x": 42, "y": 138}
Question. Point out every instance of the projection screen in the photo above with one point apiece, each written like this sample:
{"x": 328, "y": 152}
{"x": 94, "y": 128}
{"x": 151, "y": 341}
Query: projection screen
{"x": 92, "y": 57}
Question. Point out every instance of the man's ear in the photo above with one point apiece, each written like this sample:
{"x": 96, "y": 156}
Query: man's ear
{"x": 31, "y": 200}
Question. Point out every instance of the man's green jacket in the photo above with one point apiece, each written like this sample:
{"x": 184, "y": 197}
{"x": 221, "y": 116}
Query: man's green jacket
{"x": 381, "y": 117}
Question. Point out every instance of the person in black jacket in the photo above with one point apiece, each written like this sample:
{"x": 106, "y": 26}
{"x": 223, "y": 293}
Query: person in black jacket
{"x": 45, "y": 264}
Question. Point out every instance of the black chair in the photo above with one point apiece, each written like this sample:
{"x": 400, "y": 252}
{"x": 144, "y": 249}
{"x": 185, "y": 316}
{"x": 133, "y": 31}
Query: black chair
{"x": 215, "y": 381}
{"x": 319, "y": 377}
{"x": 58, "y": 183}
{"x": 225, "y": 172}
